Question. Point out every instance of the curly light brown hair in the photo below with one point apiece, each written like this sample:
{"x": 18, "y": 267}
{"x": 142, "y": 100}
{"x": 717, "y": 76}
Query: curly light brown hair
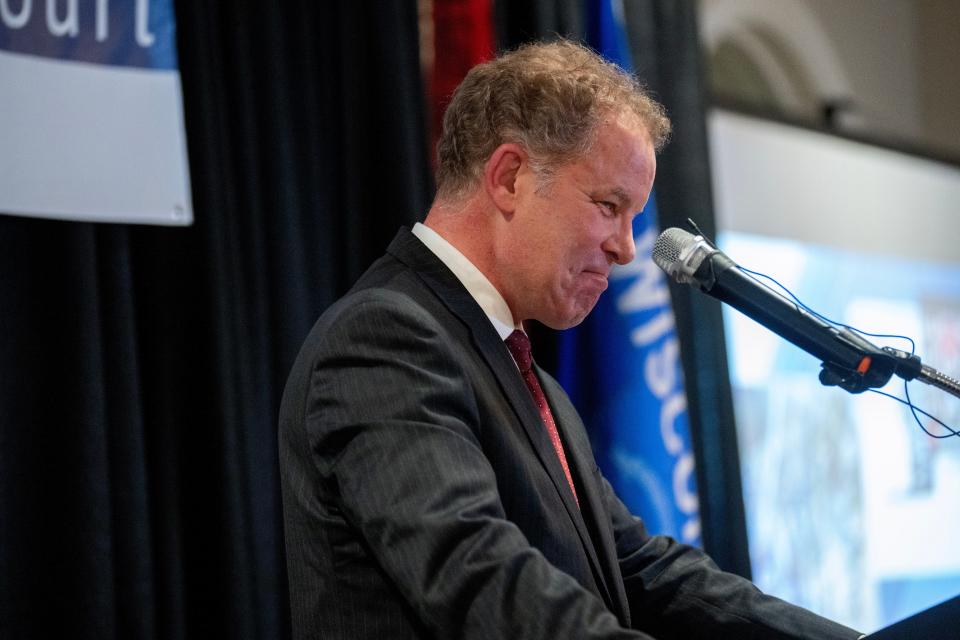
{"x": 549, "y": 98}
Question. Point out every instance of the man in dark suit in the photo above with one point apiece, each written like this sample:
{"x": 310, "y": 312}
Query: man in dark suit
{"x": 436, "y": 483}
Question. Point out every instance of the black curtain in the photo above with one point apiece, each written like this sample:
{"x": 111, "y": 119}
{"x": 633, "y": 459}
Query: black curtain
{"x": 520, "y": 21}
{"x": 141, "y": 367}
{"x": 666, "y": 52}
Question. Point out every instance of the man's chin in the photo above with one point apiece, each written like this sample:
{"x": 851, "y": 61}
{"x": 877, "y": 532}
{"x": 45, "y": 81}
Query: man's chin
{"x": 574, "y": 318}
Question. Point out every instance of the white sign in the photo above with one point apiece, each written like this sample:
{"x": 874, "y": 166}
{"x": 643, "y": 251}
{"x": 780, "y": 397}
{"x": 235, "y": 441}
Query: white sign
{"x": 91, "y": 112}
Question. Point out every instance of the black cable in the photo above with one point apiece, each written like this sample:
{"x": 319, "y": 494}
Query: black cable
{"x": 913, "y": 347}
{"x": 914, "y": 409}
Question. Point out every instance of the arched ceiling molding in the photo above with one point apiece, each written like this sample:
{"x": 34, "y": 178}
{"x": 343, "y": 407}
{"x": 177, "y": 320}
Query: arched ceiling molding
{"x": 795, "y": 26}
{"x": 776, "y": 76}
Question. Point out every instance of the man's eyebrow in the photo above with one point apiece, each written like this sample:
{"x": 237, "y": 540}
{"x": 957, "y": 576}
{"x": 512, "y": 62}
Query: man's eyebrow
{"x": 620, "y": 194}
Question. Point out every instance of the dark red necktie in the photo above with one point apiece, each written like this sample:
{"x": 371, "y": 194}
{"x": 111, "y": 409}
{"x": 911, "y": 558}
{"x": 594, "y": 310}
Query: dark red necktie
{"x": 519, "y": 345}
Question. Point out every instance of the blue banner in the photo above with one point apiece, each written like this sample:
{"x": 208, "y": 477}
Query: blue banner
{"x": 131, "y": 33}
{"x": 622, "y": 369}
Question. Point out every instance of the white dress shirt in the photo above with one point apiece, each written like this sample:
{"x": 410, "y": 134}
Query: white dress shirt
{"x": 475, "y": 282}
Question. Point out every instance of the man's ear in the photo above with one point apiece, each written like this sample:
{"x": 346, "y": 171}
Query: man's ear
{"x": 500, "y": 175}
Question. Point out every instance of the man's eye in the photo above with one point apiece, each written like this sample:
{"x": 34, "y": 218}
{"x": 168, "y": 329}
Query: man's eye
{"x": 608, "y": 208}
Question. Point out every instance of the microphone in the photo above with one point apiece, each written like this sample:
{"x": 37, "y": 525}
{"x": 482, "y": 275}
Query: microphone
{"x": 848, "y": 360}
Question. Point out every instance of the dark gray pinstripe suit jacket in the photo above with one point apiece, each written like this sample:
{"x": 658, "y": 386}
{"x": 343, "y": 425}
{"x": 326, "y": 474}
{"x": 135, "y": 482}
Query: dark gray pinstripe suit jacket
{"x": 422, "y": 497}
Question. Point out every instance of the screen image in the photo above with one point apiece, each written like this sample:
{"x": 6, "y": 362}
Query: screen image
{"x": 852, "y": 510}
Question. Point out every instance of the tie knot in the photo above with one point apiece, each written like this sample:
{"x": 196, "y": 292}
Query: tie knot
{"x": 519, "y": 345}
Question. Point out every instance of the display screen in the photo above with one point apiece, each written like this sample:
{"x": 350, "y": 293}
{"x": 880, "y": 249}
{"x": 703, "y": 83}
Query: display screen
{"x": 852, "y": 510}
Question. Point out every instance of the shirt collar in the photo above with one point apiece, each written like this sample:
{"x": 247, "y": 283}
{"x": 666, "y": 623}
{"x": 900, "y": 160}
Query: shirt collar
{"x": 477, "y": 285}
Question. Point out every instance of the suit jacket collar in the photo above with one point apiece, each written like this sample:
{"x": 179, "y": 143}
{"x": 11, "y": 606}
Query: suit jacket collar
{"x": 408, "y": 249}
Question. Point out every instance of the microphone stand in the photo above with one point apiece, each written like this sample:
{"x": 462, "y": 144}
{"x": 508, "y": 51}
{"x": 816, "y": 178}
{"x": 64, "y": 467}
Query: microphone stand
{"x": 939, "y": 380}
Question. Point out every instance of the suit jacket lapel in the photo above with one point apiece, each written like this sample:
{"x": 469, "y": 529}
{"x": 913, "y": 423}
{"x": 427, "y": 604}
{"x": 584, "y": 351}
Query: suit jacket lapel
{"x": 409, "y": 250}
{"x": 580, "y": 458}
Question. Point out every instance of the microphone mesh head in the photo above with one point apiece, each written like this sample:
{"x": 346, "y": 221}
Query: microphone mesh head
{"x": 667, "y": 248}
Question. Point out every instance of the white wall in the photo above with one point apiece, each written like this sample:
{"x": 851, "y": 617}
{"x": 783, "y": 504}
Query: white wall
{"x": 783, "y": 181}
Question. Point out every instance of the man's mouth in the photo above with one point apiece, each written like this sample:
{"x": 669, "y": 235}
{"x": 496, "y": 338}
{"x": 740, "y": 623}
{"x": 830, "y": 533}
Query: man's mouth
{"x": 599, "y": 276}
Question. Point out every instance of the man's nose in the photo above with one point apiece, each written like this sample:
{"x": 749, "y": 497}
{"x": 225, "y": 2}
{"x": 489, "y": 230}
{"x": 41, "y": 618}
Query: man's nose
{"x": 620, "y": 245}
